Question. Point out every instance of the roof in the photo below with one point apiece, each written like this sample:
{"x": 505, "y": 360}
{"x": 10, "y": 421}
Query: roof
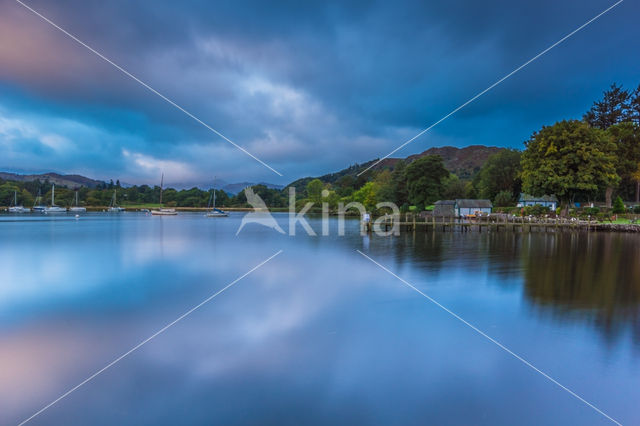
{"x": 445, "y": 202}
{"x": 480, "y": 204}
{"x": 545, "y": 198}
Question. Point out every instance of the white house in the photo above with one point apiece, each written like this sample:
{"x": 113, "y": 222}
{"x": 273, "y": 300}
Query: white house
{"x": 546, "y": 201}
{"x": 472, "y": 207}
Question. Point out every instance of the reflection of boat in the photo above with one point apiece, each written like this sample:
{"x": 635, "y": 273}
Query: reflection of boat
{"x": 214, "y": 212}
{"x": 15, "y": 208}
{"x": 162, "y": 211}
{"x": 77, "y": 208}
{"x": 53, "y": 208}
{"x": 113, "y": 207}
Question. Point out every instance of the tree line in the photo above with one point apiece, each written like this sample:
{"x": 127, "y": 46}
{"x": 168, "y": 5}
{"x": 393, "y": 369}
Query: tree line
{"x": 27, "y": 194}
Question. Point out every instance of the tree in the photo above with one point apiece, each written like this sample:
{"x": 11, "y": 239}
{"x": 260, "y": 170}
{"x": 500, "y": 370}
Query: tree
{"x": 634, "y": 106}
{"x": 618, "y": 206}
{"x": 454, "y": 188}
{"x": 636, "y": 177}
{"x": 425, "y": 180}
{"x": 626, "y": 136}
{"x": 345, "y": 185}
{"x": 503, "y": 199}
{"x": 500, "y": 173}
{"x": 367, "y": 195}
{"x": 385, "y": 186}
{"x": 314, "y": 191}
{"x": 612, "y": 109}
{"x": 399, "y": 184}
{"x": 567, "y": 159}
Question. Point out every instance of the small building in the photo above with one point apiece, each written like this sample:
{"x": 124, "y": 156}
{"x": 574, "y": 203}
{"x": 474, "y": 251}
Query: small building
{"x": 444, "y": 208}
{"x": 472, "y": 207}
{"x": 549, "y": 201}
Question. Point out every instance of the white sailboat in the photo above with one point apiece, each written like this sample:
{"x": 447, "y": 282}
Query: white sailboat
{"x": 214, "y": 212}
{"x": 15, "y": 208}
{"x": 113, "y": 207}
{"x": 53, "y": 208}
{"x": 77, "y": 208}
{"x": 37, "y": 204}
{"x": 162, "y": 211}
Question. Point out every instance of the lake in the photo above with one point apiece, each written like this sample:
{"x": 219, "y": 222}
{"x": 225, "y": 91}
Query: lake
{"x": 317, "y": 335}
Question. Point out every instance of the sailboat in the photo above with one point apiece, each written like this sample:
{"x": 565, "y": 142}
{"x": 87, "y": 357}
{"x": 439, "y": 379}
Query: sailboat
{"x": 15, "y": 208}
{"x": 53, "y": 208}
{"x": 37, "y": 204}
{"x": 162, "y": 211}
{"x": 113, "y": 207}
{"x": 77, "y": 208}
{"x": 214, "y": 212}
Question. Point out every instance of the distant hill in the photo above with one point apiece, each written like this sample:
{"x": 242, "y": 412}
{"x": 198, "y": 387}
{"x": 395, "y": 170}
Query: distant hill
{"x": 234, "y": 188}
{"x": 463, "y": 162}
{"x": 70, "y": 181}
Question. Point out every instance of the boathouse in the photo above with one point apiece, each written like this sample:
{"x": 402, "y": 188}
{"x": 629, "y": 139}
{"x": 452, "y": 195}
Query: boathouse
{"x": 549, "y": 201}
{"x": 444, "y": 208}
{"x": 472, "y": 207}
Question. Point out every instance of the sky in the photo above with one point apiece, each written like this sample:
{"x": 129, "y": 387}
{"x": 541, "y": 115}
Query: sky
{"x": 308, "y": 87}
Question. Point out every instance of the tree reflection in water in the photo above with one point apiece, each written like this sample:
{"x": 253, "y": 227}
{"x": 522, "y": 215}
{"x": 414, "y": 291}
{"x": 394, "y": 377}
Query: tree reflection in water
{"x": 588, "y": 276}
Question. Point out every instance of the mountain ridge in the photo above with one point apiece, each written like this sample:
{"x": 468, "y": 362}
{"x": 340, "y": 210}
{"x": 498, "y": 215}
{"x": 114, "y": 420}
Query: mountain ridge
{"x": 463, "y": 162}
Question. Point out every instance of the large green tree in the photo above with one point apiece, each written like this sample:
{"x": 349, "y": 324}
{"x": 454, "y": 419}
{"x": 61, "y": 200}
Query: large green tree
{"x": 626, "y": 136}
{"x": 314, "y": 191}
{"x": 500, "y": 173}
{"x": 399, "y": 184}
{"x": 567, "y": 159}
{"x": 425, "y": 180}
{"x": 613, "y": 108}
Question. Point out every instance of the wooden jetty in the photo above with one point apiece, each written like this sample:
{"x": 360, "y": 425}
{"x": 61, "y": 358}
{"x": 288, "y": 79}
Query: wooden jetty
{"x": 498, "y": 223}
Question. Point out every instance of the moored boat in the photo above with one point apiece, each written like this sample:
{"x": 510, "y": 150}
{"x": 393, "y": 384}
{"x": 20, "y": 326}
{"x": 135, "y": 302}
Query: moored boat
{"x": 214, "y": 212}
{"x": 15, "y": 208}
{"x": 52, "y": 209}
{"x": 77, "y": 208}
{"x": 113, "y": 207}
{"x": 163, "y": 211}
{"x": 38, "y": 207}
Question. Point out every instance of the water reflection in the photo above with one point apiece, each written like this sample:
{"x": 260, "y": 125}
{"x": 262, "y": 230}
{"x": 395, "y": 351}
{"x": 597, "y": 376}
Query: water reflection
{"x": 318, "y": 336}
{"x": 592, "y": 277}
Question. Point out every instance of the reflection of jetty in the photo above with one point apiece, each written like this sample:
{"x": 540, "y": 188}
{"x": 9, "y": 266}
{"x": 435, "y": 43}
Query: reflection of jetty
{"x": 492, "y": 223}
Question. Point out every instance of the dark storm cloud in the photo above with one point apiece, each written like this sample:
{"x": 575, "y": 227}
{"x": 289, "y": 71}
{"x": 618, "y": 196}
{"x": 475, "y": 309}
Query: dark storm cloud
{"x": 309, "y": 87}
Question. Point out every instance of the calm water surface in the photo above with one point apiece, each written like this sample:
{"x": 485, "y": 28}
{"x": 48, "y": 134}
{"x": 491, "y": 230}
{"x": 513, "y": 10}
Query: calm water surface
{"x": 319, "y": 335}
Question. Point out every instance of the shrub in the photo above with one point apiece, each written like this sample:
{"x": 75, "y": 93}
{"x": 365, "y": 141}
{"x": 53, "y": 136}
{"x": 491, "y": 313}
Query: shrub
{"x": 536, "y": 210}
{"x": 618, "y": 206}
{"x": 593, "y": 211}
{"x": 636, "y": 209}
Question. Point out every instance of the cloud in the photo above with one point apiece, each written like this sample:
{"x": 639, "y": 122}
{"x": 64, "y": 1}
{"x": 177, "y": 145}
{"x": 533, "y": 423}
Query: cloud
{"x": 308, "y": 87}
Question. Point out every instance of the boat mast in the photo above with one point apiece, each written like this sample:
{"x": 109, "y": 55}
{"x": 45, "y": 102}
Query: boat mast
{"x": 161, "y": 183}
{"x": 53, "y": 194}
{"x": 15, "y": 198}
{"x": 214, "y": 193}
